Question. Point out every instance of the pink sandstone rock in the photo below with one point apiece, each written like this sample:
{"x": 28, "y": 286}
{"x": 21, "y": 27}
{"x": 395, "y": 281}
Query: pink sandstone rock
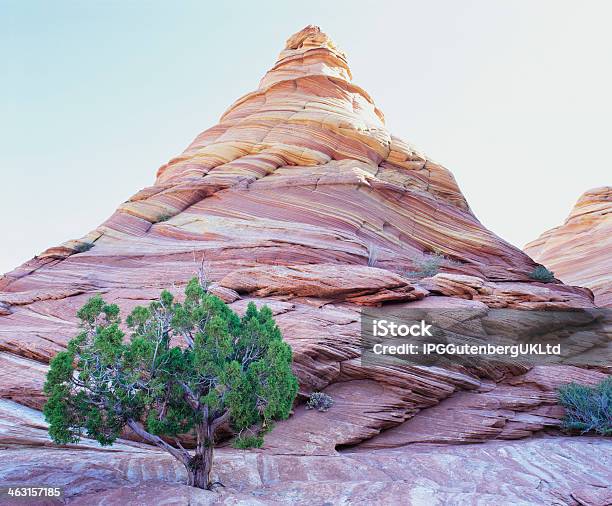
{"x": 545, "y": 470}
{"x": 355, "y": 283}
{"x": 579, "y": 251}
{"x": 300, "y": 198}
{"x": 510, "y": 295}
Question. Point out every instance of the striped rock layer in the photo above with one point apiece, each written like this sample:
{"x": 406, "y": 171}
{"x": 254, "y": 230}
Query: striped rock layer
{"x": 300, "y": 198}
{"x": 300, "y": 171}
{"x": 552, "y": 470}
{"x": 580, "y": 251}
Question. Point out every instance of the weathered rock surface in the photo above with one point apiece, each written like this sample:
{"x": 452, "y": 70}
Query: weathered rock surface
{"x": 512, "y": 409}
{"x": 512, "y": 295}
{"x": 547, "y": 470}
{"x": 580, "y": 251}
{"x": 300, "y": 198}
{"x": 354, "y": 283}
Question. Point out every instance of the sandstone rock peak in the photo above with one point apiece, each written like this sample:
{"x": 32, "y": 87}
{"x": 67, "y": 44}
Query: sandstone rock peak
{"x": 306, "y": 157}
{"x": 578, "y": 251}
{"x": 299, "y": 198}
{"x": 311, "y": 36}
{"x": 311, "y": 51}
{"x": 597, "y": 200}
{"x": 311, "y": 42}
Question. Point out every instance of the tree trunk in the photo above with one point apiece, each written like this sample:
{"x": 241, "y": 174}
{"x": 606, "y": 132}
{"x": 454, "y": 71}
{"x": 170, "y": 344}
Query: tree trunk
{"x": 200, "y": 465}
{"x": 199, "y": 470}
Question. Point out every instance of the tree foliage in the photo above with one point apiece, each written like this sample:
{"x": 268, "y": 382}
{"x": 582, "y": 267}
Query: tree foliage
{"x": 189, "y": 366}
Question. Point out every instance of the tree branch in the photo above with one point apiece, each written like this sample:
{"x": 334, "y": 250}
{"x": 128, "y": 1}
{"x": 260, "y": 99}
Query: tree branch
{"x": 217, "y": 422}
{"x": 190, "y": 396}
{"x": 181, "y": 456}
{"x": 188, "y": 338}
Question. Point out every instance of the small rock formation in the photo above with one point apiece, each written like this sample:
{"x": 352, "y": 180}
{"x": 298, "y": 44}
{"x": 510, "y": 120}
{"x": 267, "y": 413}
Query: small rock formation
{"x": 508, "y": 295}
{"x": 354, "y": 283}
{"x": 301, "y": 199}
{"x": 579, "y": 252}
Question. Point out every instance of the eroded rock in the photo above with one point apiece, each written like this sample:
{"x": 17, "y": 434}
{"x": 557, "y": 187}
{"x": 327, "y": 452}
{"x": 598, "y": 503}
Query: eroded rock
{"x": 300, "y": 198}
{"x": 354, "y": 283}
{"x": 578, "y": 251}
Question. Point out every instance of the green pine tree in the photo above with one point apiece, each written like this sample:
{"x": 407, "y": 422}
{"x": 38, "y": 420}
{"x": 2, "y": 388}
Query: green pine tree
{"x": 187, "y": 366}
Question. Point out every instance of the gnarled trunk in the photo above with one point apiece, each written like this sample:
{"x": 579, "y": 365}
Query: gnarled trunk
{"x": 199, "y": 466}
{"x": 199, "y": 469}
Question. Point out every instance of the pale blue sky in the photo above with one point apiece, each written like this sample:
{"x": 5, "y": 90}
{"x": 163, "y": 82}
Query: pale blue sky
{"x": 512, "y": 96}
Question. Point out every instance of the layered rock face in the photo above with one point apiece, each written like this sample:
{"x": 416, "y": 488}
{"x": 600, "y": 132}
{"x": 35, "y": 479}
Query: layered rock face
{"x": 539, "y": 471}
{"x": 580, "y": 251}
{"x": 300, "y": 171}
{"x": 301, "y": 199}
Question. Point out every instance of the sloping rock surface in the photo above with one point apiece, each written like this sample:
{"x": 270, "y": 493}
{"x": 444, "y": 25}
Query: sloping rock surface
{"x": 580, "y": 251}
{"x": 547, "y": 470}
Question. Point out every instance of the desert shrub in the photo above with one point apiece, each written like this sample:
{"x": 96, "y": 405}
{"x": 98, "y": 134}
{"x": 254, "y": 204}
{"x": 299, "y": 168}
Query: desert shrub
{"x": 245, "y": 442}
{"x": 541, "y": 273}
{"x": 163, "y": 217}
{"x": 227, "y": 369}
{"x": 83, "y": 246}
{"x": 319, "y": 401}
{"x": 588, "y": 408}
{"x": 426, "y": 266}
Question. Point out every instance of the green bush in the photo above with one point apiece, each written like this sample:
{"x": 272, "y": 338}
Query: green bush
{"x": 226, "y": 369}
{"x": 163, "y": 217}
{"x": 83, "y": 246}
{"x": 541, "y": 273}
{"x": 588, "y": 408}
{"x": 246, "y": 442}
